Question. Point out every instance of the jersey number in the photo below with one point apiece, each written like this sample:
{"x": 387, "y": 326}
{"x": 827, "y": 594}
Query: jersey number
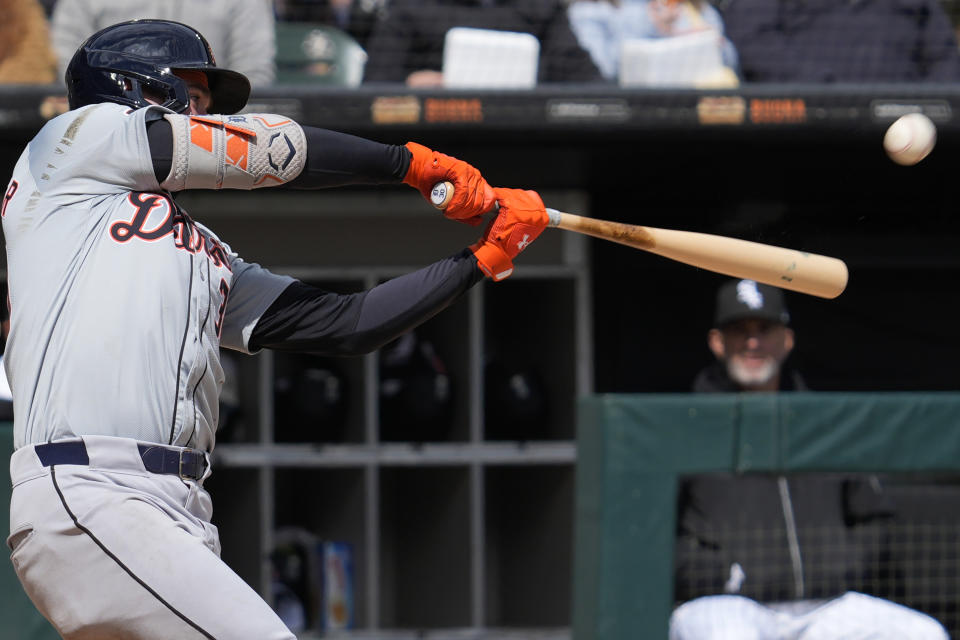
{"x": 225, "y": 292}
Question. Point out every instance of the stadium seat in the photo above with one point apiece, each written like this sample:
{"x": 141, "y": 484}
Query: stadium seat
{"x": 312, "y": 53}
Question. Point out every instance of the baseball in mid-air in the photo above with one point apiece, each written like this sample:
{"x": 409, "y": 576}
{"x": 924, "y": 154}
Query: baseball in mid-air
{"x": 910, "y": 138}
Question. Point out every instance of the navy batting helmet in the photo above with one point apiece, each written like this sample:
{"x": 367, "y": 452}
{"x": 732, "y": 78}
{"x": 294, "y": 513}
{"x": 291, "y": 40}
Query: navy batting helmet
{"x": 114, "y": 64}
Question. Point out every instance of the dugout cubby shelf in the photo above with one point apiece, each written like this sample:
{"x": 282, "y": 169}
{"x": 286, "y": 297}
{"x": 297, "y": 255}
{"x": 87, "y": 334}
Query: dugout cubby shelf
{"x": 526, "y": 514}
{"x": 461, "y": 526}
{"x": 425, "y": 543}
{"x": 527, "y": 356}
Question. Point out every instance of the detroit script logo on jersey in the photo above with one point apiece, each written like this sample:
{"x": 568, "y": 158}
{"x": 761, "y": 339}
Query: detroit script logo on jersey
{"x": 156, "y": 216}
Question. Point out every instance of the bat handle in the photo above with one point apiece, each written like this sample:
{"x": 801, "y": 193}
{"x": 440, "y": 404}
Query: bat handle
{"x": 442, "y": 194}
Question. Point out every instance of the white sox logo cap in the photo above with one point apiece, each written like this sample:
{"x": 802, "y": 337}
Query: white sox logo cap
{"x": 740, "y": 299}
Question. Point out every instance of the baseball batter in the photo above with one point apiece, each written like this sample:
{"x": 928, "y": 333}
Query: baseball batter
{"x": 120, "y": 302}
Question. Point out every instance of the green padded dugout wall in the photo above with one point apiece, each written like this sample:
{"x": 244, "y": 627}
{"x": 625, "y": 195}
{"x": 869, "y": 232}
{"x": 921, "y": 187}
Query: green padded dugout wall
{"x": 631, "y": 448}
{"x": 19, "y": 620}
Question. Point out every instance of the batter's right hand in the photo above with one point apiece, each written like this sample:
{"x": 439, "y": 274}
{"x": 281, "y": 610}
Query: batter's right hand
{"x": 521, "y": 218}
{"x": 472, "y": 196}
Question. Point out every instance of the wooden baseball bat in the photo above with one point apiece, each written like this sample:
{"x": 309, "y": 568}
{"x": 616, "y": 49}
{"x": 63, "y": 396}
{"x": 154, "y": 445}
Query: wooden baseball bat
{"x": 800, "y": 271}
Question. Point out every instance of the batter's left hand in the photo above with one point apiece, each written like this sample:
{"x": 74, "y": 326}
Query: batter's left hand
{"x": 472, "y": 196}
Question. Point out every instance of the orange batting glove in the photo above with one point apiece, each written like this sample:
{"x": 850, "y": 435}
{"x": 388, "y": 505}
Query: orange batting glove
{"x": 521, "y": 219}
{"x": 472, "y": 196}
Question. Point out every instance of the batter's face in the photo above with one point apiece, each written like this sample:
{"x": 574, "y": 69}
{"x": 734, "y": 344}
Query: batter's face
{"x": 199, "y": 99}
{"x": 753, "y": 351}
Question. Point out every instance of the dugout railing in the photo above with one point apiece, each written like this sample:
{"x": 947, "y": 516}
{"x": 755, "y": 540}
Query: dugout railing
{"x": 632, "y": 449}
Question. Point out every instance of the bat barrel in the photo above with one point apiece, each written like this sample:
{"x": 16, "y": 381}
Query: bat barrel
{"x": 809, "y": 273}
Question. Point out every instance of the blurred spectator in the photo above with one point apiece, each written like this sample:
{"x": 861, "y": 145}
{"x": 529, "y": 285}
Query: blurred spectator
{"x": 763, "y": 556}
{"x": 48, "y": 7}
{"x": 241, "y": 32}
{"x": 407, "y": 42}
{"x": 26, "y": 56}
{"x": 842, "y": 40}
{"x": 952, "y": 9}
{"x": 602, "y": 26}
{"x": 355, "y": 17}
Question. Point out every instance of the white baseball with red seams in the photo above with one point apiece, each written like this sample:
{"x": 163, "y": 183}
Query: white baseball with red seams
{"x": 910, "y": 139}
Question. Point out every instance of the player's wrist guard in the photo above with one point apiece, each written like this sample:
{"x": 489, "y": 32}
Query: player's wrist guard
{"x": 492, "y": 260}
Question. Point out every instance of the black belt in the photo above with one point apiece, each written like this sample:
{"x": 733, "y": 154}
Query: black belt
{"x": 186, "y": 463}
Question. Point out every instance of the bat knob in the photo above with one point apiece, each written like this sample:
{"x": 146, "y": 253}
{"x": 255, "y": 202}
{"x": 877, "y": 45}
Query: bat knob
{"x": 441, "y": 194}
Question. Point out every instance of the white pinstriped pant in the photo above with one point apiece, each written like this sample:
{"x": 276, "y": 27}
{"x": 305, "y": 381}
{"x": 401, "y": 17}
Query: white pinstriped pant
{"x": 852, "y": 616}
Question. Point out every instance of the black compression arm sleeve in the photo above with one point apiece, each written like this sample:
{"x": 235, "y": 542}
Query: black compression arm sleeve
{"x": 160, "y": 136}
{"x": 308, "y": 319}
{"x": 333, "y": 159}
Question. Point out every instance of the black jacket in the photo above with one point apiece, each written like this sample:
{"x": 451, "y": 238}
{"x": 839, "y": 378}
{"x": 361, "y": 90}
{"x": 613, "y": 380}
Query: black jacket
{"x": 798, "y": 537}
{"x": 410, "y": 37}
{"x": 813, "y": 535}
{"x": 842, "y": 40}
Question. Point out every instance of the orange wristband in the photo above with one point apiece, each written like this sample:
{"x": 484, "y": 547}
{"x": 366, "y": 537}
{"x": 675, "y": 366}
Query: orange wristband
{"x": 493, "y": 261}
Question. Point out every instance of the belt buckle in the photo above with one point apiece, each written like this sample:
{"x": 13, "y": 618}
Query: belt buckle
{"x": 190, "y": 473}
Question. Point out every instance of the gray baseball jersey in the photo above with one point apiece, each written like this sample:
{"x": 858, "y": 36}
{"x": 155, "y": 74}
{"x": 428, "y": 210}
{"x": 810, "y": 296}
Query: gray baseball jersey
{"x": 101, "y": 260}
